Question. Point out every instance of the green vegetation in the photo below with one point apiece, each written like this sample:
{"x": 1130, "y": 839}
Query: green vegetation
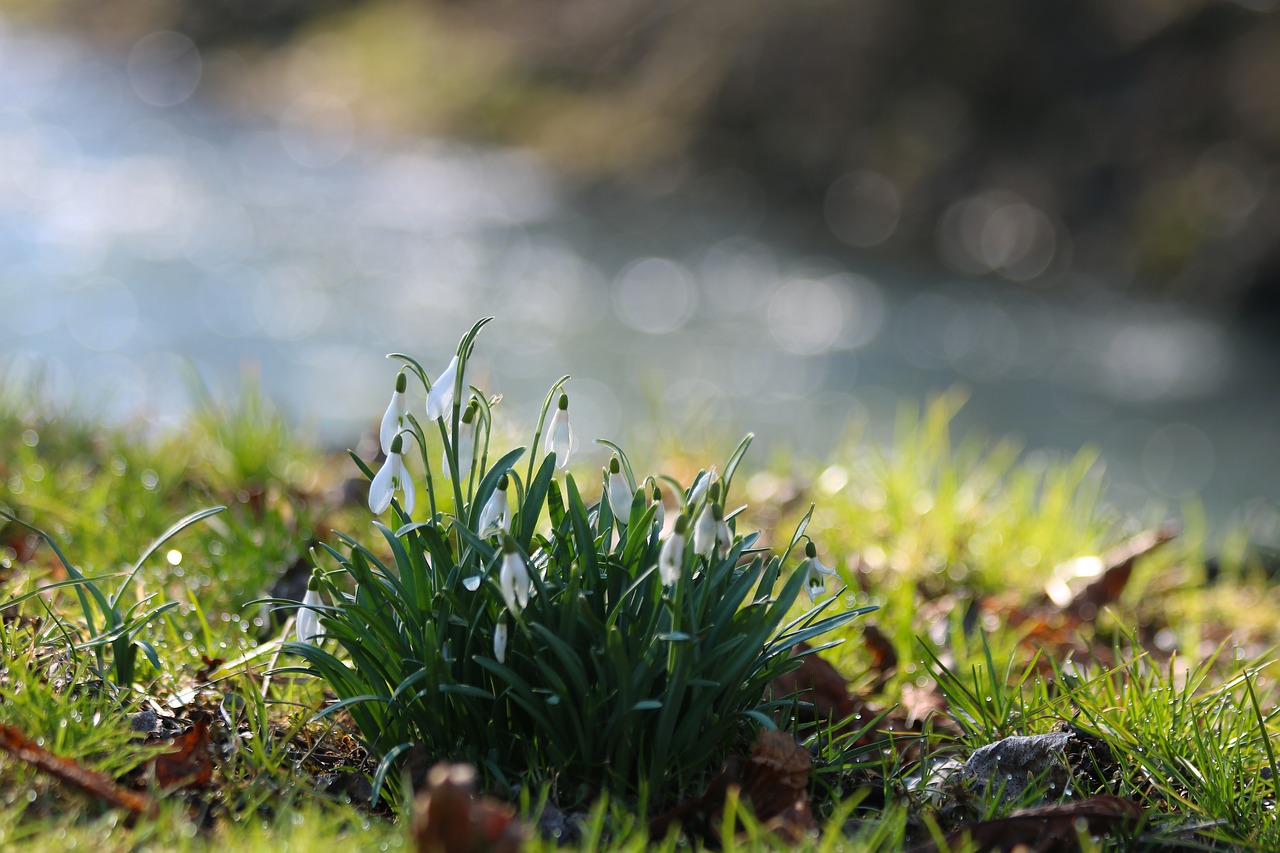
{"x": 956, "y": 544}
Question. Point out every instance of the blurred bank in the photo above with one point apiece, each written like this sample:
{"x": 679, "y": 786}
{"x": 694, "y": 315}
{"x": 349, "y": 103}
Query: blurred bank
{"x": 248, "y": 196}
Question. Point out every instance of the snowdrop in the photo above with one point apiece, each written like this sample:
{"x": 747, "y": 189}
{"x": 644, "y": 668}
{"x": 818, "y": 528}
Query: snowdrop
{"x": 396, "y": 419}
{"x": 440, "y": 397}
{"x": 306, "y": 625}
{"x": 815, "y": 582}
{"x": 724, "y": 538}
{"x": 464, "y": 443}
{"x": 560, "y": 440}
{"x": 671, "y": 557}
{"x": 390, "y": 479}
{"x": 500, "y": 640}
{"x": 618, "y": 491}
{"x": 513, "y": 577}
{"x": 494, "y": 517}
{"x": 704, "y": 531}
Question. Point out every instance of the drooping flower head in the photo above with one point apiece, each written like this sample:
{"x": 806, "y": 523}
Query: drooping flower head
{"x": 671, "y": 557}
{"x": 704, "y": 532}
{"x": 560, "y": 440}
{"x": 500, "y": 640}
{"x": 440, "y": 397}
{"x": 724, "y": 539}
{"x": 700, "y": 488}
{"x": 464, "y": 443}
{"x": 390, "y": 479}
{"x": 815, "y": 582}
{"x": 396, "y": 419}
{"x": 619, "y": 491}
{"x": 513, "y": 577}
{"x": 306, "y": 625}
{"x": 495, "y": 517}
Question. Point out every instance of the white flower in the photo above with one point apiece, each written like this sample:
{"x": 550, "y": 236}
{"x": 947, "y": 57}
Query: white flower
{"x": 440, "y": 397}
{"x": 619, "y": 492}
{"x": 815, "y": 583}
{"x": 671, "y": 557}
{"x": 560, "y": 440}
{"x": 500, "y": 640}
{"x": 396, "y": 418}
{"x": 495, "y": 517}
{"x": 464, "y": 443}
{"x": 513, "y": 577}
{"x": 307, "y": 623}
{"x": 724, "y": 538}
{"x": 389, "y": 479}
{"x": 704, "y": 532}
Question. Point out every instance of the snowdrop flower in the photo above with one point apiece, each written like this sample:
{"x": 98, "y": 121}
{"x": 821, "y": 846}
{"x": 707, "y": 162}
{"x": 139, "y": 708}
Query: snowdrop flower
{"x": 513, "y": 577}
{"x": 500, "y": 640}
{"x": 815, "y": 583}
{"x": 724, "y": 538}
{"x": 495, "y": 517}
{"x": 660, "y": 511}
{"x": 671, "y": 557}
{"x": 701, "y": 488}
{"x": 389, "y": 479}
{"x": 619, "y": 491}
{"x": 306, "y": 625}
{"x": 464, "y": 442}
{"x": 704, "y": 532}
{"x": 396, "y": 419}
{"x": 560, "y": 440}
{"x": 440, "y": 397}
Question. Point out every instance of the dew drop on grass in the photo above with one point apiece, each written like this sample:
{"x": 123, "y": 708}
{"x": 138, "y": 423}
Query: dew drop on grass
{"x": 30, "y": 438}
{"x": 35, "y": 473}
{"x": 150, "y": 479}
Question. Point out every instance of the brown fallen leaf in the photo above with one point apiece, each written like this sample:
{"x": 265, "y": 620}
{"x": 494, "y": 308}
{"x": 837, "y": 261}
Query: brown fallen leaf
{"x": 91, "y": 782}
{"x": 1046, "y": 829}
{"x": 774, "y": 782}
{"x": 1118, "y": 565}
{"x": 188, "y": 764}
{"x": 819, "y": 684}
{"x": 208, "y": 667}
{"x": 448, "y": 817}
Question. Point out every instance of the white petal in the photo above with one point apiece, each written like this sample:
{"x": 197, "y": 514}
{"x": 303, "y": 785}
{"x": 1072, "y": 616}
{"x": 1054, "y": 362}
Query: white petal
{"x": 507, "y": 580}
{"x": 723, "y": 536}
{"x": 620, "y": 496}
{"x": 307, "y": 624}
{"x": 670, "y": 558}
{"x": 406, "y": 485}
{"x": 393, "y": 420}
{"x": 494, "y": 513}
{"x": 500, "y": 641}
{"x": 704, "y": 533}
{"x": 381, "y": 487}
{"x": 440, "y": 397}
{"x": 560, "y": 440}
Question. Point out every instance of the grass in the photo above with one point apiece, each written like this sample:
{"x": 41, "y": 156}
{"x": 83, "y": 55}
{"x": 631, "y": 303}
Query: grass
{"x": 953, "y": 541}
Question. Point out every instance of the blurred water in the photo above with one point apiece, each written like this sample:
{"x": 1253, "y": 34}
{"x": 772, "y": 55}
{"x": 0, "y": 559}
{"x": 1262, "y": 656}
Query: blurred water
{"x": 142, "y": 227}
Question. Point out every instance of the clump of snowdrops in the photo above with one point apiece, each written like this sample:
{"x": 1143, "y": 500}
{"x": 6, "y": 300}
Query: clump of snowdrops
{"x": 619, "y": 634}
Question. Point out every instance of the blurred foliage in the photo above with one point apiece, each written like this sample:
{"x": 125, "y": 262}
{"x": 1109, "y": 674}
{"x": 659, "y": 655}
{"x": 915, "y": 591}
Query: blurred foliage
{"x": 1130, "y": 140}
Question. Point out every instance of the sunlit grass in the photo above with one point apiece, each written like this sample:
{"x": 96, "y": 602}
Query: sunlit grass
{"x": 949, "y": 537}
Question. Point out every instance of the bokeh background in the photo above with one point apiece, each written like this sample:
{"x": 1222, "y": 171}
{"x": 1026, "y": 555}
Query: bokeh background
{"x": 719, "y": 217}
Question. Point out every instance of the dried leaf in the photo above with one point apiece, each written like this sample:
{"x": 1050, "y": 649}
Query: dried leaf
{"x": 774, "y": 783}
{"x": 1118, "y": 565}
{"x": 91, "y": 782}
{"x": 1047, "y": 829}
{"x": 818, "y": 683}
{"x": 448, "y": 817}
{"x": 884, "y": 659}
{"x": 187, "y": 764}
{"x": 208, "y": 667}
